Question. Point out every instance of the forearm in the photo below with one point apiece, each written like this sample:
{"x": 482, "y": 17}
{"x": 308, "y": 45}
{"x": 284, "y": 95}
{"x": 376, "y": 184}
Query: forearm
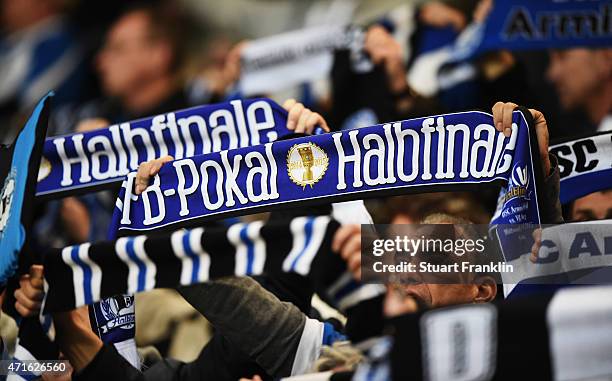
{"x": 76, "y": 339}
{"x": 253, "y": 319}
{"x": 551, "y": 206}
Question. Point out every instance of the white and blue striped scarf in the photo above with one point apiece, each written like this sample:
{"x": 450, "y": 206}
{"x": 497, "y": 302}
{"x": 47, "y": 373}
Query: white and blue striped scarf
{"x": 84, "y": 274}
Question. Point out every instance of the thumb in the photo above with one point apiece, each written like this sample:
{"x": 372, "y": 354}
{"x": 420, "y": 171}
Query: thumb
{"x": 36, "y": 275}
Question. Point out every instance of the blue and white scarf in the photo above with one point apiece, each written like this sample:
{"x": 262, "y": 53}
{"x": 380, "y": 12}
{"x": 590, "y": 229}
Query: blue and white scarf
{"x": 19, "y": 162}
{"x": 574, "y": 253}
{"x": 568, "y": 336}
{"x": 571, "y": 253}
{"x": 537, "y": 24}
{"x": 425, "y": 154}
{"x": 91, "y": 159}
{"x": 585, "y": 165}
{"x": 18, "y": 168}
{"x": 84, "y": 274}
{"x": 577, "y": 253}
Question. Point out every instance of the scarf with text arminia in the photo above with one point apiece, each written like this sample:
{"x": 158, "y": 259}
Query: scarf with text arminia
{"x": 420, "y": 155}
{"x": 537, "y": 24}
{"x": 89, "y": 160}
{"x": 585, "y": 165}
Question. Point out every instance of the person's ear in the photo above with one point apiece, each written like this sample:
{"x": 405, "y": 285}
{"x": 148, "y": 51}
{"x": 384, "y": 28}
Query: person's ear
{"x": 486, "y": 289}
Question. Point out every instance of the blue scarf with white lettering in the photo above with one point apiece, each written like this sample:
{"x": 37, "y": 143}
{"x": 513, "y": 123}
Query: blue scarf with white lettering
{"x": 420, "y": 155}
{"x": 585, "y": 165}
{"x": 90, "y": 160}
{"x": 537, "y": 24}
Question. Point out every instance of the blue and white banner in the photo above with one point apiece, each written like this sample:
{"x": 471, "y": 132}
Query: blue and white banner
{"x": 18, "y": 163}
{"x": 91, "y": 159}
{"x": 585, "y": 165}
{"x": 425, "y": 154}
{"x": 569, "y": 335}
{"x": 574, "y": 253}
{"x": 278, "y": 62}
{"x": 538, "y": 24}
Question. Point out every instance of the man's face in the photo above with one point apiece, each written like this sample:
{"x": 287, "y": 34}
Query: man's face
{"x": 595, "y": 206}
{"x": 439, "y": 295}
{"x": 578, "y": 74}
{"x": 402, "y": 299}
{"x": 451, "y": 289}
{"x": 131, "y": 56}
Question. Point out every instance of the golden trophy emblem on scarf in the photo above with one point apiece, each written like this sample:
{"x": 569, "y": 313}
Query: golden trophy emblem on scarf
{"x": 306, "y": 164}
